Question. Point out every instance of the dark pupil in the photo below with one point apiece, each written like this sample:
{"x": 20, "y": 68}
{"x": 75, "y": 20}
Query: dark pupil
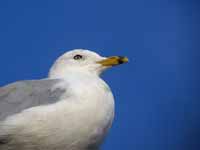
{"x": 78, "y": 57}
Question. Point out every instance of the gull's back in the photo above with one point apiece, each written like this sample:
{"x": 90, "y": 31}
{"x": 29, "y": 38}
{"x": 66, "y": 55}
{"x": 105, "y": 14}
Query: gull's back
{"x": 22, "y": 95}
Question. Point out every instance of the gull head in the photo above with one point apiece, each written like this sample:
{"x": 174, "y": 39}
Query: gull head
{"x": 80, "y": 61}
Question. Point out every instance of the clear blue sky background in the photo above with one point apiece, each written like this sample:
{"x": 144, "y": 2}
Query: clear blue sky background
{"x": 157, "y": 93}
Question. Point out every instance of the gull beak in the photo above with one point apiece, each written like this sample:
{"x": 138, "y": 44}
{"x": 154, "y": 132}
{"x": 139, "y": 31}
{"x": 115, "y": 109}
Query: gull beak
{"x": 113, "y": 61}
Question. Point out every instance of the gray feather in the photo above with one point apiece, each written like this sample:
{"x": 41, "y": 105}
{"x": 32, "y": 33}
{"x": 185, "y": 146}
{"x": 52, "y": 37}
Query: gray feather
{"x": 21, "y": 95}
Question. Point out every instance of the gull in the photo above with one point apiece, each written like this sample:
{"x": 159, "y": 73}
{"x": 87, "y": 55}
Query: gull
{"x": 71, "y": 109}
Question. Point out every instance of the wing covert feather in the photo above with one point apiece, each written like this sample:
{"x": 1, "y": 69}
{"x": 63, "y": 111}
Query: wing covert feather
{"x": 22, "y": 95}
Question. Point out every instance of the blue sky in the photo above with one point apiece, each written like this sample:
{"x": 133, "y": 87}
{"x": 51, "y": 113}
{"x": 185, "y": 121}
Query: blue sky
{"x": 157, "y": 93}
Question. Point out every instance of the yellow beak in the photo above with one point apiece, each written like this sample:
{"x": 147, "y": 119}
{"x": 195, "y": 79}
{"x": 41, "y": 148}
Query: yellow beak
{"x": 113, "y": 61}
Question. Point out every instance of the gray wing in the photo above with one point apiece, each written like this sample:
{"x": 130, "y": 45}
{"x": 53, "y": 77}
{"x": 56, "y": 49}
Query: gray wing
{"x": 21, "y": 95}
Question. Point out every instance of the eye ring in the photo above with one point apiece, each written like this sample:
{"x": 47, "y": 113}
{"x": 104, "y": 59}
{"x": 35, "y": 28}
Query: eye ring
{"x": 78, "y": 57}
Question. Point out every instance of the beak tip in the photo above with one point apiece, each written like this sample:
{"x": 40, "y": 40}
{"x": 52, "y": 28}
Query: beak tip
{"x": 124, "y": 59}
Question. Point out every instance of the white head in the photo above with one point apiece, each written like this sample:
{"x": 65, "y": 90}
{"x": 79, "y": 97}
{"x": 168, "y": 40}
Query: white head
{"x": 83, "y": 61}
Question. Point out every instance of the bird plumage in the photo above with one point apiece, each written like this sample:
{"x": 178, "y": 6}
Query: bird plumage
{"x": 72, "y": 109}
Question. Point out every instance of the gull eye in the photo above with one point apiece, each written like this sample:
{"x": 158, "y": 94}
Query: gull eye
{"x": 78, "y": 57}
